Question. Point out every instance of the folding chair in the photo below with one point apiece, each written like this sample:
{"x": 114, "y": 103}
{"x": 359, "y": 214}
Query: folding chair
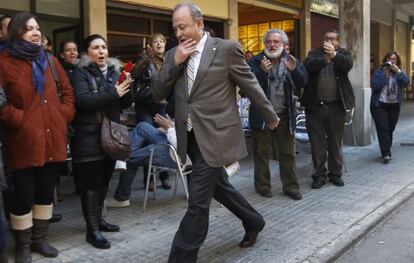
{"x": 301, "y": 134}
{"x": 153, "y": 170}
{"x": 349, "y": 122}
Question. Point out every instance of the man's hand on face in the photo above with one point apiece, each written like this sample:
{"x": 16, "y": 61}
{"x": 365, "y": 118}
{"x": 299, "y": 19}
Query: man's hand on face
{"x": 290, "y": 63}
{"x": 329, "y": 49}
{"x": 265, "y": 64}
{"x": 184, "y": 50}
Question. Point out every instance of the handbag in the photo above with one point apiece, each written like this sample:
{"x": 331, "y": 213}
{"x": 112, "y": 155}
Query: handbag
{"x": 115, "y": 140}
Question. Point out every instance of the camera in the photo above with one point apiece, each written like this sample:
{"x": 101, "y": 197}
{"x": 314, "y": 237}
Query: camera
{"x": 387, "y": 64}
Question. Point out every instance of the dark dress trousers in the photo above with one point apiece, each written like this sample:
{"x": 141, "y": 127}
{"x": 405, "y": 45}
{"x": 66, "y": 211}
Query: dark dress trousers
{"x": 216, "y": 139}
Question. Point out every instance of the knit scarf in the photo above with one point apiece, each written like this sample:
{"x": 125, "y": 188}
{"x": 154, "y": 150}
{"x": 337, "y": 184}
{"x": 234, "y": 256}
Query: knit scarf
{"x": 26, "y": 50}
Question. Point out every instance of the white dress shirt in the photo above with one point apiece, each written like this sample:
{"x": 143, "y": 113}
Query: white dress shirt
{"x": 196, "y": 56}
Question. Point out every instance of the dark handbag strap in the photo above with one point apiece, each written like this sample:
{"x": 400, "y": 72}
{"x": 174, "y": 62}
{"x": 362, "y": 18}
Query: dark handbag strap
{"x": 94, "y": 88}
{"x": 55, "y": 74}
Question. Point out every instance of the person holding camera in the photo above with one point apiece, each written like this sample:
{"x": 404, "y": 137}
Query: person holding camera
{"x": 326, "y": 98}
{"x": 386, "y": 99}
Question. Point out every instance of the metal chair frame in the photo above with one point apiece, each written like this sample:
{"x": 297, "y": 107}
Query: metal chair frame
{"x": 154, "y": 170}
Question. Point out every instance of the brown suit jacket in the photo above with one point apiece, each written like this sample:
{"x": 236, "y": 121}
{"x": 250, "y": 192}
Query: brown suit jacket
{"x": 212, "y": 102}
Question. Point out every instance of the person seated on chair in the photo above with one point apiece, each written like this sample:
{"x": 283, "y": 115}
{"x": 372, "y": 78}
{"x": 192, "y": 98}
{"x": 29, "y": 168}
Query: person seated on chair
{"x": 143, "y": 136}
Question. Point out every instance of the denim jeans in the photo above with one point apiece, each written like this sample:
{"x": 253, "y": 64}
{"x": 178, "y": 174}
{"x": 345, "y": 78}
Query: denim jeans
{"x": 143, "y": 136}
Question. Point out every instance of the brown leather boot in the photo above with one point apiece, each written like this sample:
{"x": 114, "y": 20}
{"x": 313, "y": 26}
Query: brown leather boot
{"x": 39, "y": 243}
{"x": 22, "y": 228}
{"x": 22, "y": 253}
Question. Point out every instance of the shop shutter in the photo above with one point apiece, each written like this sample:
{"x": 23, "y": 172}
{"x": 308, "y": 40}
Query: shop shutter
{"x": 319, "y": 25}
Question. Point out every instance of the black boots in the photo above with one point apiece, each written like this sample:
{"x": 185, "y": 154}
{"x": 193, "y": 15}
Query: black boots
{"x": 90, "y": 203}
{"x": 39, "y": 243}
{"x": 103, "y": 225}
{"x": 22, "y": 251}
{"x": 318, "y": 181}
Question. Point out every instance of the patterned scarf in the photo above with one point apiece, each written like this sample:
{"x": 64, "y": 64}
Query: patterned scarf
{"x": 26, "y": 50}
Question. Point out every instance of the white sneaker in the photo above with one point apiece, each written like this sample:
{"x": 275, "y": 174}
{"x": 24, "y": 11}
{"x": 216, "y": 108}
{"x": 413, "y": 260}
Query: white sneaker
{"x": 113, "y": 203}
{"x": 120, "y": 167}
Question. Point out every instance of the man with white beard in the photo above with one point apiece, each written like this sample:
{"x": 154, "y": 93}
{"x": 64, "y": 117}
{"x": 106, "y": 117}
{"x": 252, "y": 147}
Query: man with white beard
{"x": 281, "y": 76}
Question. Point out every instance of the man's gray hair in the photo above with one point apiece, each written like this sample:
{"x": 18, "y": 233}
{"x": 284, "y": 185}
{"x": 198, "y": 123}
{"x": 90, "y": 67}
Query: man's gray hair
{"x": 194, "y": 9}
{"x": 282, "y": 34}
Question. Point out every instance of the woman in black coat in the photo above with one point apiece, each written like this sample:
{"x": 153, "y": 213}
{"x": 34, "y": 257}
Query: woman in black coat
{"x": 68, "y": 54}
{"x": 97, "y": 93}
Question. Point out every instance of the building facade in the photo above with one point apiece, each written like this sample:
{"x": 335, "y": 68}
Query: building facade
{"x": 368, "y": 28}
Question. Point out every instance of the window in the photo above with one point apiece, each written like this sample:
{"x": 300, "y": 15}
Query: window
{"x": 66, "y": 8}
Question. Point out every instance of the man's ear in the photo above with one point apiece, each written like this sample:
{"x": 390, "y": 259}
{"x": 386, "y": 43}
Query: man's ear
{"x": 200, "y": 24}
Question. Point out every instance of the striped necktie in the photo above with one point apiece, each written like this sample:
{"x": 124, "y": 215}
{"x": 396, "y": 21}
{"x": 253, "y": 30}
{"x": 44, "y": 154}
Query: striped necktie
{"x": 190, "y": 82}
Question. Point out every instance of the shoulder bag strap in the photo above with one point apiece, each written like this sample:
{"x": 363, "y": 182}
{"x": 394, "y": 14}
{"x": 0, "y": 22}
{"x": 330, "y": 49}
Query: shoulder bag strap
{"x": 94, "y": 88}
{"x": 55, "y": 74}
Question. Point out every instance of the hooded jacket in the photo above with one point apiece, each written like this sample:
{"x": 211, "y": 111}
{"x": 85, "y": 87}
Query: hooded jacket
{"x": 90, "y": 103}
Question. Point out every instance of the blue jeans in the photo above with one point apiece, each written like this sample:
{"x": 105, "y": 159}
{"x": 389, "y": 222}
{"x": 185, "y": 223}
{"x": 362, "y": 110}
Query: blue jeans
{"x": 143, "y": 136}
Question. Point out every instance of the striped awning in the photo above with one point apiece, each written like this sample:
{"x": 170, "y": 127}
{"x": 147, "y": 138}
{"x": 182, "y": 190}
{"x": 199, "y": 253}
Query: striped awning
{"x": 325, "y": 7}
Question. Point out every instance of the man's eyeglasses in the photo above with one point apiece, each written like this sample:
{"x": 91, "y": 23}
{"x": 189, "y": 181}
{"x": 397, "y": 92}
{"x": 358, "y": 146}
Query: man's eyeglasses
{"x": 330, "y": 39}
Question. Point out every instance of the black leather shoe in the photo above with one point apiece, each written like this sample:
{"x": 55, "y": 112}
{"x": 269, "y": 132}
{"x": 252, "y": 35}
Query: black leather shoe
{"x": 336, "y": 180}
{"x": 165, "y": 184}
{"x": 386, "y": 159}
{"x": 96, "y": 239}
{"x": 249, "y": 239}
{"x": 265, "y": 193}
{"x": 294, "y": 195}
{"x": 106, "y": 227}
{"x": 55, "y": 218}
{"x": 318, "y": 181}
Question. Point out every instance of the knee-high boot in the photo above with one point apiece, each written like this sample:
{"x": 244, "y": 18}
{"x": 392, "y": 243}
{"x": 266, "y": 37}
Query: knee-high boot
{"x": 22, "y": 228}
{"x": 90, "y": 201}
{"x": 103, "y": 225}
{"x": 41, "y": 216}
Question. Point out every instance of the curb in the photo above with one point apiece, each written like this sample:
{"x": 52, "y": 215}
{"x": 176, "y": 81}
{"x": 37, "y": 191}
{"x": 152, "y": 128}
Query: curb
{"x": 345, "y": 241}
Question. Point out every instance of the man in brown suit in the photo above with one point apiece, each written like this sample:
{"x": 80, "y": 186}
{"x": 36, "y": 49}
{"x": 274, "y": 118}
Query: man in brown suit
{"x": 203, "y": 73}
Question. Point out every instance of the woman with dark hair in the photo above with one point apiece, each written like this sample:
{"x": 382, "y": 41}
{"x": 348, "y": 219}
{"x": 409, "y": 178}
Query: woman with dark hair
{"x": 68, "y": 54}
{"x": 34, "y": 121}
{"x": 97, "y": 93}
{"x": 387, "y": 86}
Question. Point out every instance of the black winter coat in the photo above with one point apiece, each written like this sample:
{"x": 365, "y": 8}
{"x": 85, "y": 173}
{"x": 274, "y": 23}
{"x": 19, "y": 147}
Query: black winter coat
{"x": 292, "y": 86}
{"x": 342, "y": 62}
{"x": 145, "y": 105}
{"x": 86, "y": 142}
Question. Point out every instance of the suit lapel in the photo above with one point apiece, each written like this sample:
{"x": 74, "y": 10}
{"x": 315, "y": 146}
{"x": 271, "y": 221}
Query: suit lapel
{"x": 207, "y": 57}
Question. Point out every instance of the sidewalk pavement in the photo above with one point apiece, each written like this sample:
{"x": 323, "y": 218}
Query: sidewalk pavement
{"x": 319, "y": 228}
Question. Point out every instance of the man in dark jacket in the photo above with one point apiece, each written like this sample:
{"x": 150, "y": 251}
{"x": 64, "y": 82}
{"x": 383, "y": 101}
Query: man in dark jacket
{"x": 281, "y": 76}
{"x": 326, "y": 98}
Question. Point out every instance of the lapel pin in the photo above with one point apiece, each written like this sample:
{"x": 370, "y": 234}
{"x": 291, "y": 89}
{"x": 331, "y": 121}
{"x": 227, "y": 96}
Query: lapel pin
{"x": 214, "y": 49}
